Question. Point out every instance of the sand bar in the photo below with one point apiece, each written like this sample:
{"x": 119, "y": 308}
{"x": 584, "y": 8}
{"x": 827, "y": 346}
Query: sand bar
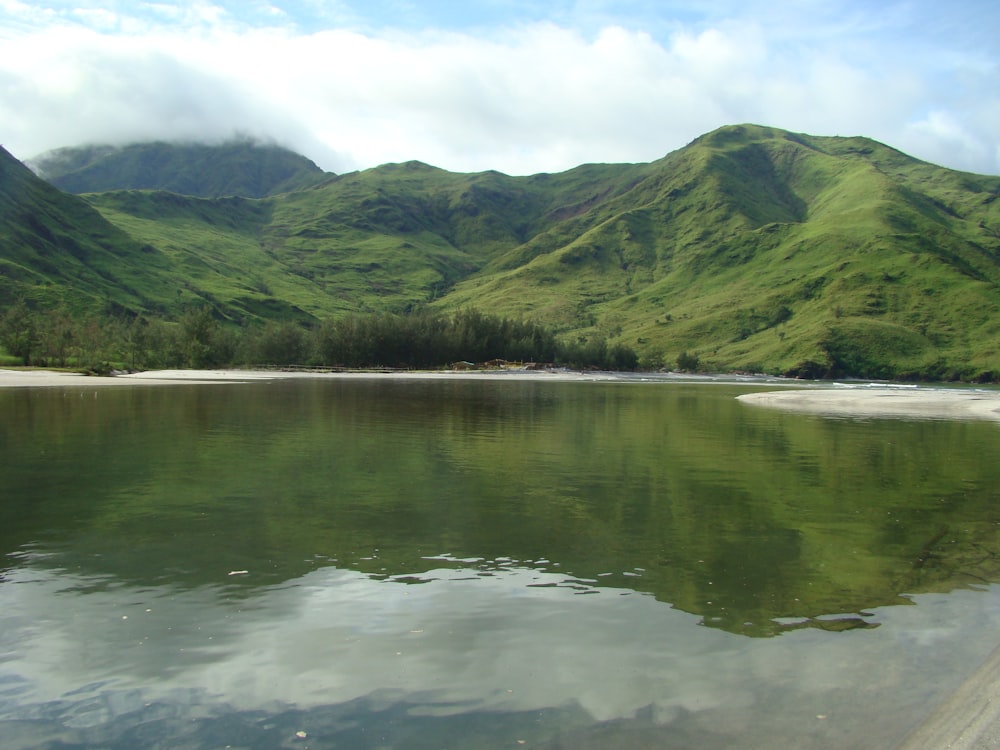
{"x": 866, "y": 401}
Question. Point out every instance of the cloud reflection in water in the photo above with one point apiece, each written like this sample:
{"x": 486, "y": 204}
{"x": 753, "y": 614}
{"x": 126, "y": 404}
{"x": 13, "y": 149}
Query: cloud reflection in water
{"x": 456, "y": 642}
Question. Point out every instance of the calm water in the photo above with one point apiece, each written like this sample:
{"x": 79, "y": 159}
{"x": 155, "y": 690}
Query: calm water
{"x": 481, "y": 564}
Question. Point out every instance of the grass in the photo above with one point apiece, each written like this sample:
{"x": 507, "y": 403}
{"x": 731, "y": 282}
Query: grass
{"x": 711, "y": 267}
{"x": 751, "y": 249}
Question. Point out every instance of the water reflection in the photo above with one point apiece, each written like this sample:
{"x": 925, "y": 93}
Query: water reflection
{"x": 736, "y": 514}
{"x": 402, "y": 560}
{"x": 451, "y": 650}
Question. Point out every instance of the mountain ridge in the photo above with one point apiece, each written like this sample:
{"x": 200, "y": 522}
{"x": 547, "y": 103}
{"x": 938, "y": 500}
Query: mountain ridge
{"x": 751, "y": 248}
{"x": 238, "y": 167}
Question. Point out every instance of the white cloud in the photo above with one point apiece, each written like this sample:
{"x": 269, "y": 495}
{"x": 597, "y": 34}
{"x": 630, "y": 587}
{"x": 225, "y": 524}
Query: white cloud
{"x": 941, "y": 137}
{"x": 97, "y": 17}
{"x": 521, "y": 99}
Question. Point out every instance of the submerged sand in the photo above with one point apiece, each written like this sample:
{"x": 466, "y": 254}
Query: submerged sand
{"x": 969, "y": 719}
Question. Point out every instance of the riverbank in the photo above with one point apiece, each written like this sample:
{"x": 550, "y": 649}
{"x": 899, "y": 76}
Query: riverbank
{"x": 57, "y": 379}
{"x": 54, "y": 378}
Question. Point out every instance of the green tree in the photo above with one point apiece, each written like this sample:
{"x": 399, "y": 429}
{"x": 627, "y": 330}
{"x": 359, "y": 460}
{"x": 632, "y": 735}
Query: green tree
{"x": 19, "y": 331}
{"x": 95, "y": 339}
{"x": 197, "y": 329}
{"x": 58, "y": 336}
{"x": 279, "y": 344}
{"x": 687, "y": 362}
{"x": 134, "y": 342}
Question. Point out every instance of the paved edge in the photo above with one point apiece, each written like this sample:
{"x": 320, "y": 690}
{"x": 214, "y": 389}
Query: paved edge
{"x": 967, "y": 720}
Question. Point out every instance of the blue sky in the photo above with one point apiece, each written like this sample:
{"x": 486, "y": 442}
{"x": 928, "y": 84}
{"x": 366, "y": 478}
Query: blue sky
{"x": 514, "y": 85}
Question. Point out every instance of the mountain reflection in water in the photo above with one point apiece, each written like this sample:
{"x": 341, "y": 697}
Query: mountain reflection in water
{"x": 386, "y": 564}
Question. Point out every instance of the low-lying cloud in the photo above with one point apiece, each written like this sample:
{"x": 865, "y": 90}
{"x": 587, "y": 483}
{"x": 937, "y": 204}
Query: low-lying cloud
{"x": 522, "y": 99}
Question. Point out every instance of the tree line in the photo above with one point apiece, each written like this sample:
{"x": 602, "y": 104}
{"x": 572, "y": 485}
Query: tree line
{"x": 418, "y": 340}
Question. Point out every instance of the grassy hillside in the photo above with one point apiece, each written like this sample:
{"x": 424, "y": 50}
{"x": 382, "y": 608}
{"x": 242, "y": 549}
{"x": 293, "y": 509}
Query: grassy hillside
{"x": 402, "y": 235}
{"x": 749, "y": 249}
{"x": 755, "y": 249}
{"x": 239, "y": 167}
{"x": 215, "y": 255}
{"x": 386, "y": 239}
{"x": 55, "y": 249}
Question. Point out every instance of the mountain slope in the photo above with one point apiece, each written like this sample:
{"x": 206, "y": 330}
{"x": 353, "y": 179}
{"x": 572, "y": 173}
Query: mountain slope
{"x": 402, "y": 234}
{"x": 758, "y": 249}
{"x": 751, "y": 248}
{"x": 55, "y": 249}
{"x": 236, "y": 168}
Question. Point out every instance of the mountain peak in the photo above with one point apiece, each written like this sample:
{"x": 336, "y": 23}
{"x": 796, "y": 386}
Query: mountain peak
{"x": 734, "y": 135}
{"x": 239, "y": 167}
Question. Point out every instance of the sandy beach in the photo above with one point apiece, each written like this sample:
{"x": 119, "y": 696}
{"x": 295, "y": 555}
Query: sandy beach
{"x": 53, "y": 379}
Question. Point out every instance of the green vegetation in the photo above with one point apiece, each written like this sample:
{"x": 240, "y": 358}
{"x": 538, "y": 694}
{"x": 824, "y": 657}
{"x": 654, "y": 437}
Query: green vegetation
{"x": 751, "y": 249}
{"x": 418, "y": 340}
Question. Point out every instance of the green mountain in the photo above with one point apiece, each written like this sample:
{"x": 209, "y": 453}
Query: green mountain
{"x": 56, "y": 249}
{"x": 239, "y": 167}
{"x": 757, "y": 249}
{"x": 749, "y": 249}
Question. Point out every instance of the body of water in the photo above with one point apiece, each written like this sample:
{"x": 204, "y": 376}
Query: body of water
{"x": 384, "y": 563}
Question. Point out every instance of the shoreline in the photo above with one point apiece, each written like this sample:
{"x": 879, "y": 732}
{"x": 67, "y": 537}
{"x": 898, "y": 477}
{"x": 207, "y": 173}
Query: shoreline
{"x": 822, "y": 399}
{"x": 968, "y": 719}
{"x": 54, "y": 379}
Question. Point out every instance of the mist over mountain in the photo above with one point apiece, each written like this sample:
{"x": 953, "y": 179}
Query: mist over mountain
{"x": 241, "y": 167}
{"x": 751, "y": 249}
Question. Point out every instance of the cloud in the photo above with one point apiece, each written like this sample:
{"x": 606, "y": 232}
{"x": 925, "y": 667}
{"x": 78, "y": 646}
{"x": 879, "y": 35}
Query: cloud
{"x": 87, "y": 87}
{"x": 522, "y": 98}
{"x": 942, "y": 137}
